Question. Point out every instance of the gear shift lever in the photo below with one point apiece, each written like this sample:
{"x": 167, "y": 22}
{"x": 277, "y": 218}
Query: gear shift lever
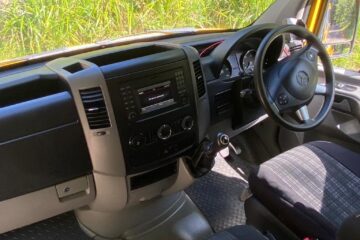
{"x": 223, "y": 141}
{"x": 203, "y": 159}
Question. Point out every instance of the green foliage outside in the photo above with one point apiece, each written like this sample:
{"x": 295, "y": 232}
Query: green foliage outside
{"x": 345, "y": 13}
{"x": 34, "y": 26}
{"x": 343, "y": 18}
{"x": 351, "y": 61}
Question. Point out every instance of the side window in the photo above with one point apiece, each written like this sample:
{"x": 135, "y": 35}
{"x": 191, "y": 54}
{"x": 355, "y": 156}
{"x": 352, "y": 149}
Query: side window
{"x": 340, "y": 34}
{"x": 351, "y": 61}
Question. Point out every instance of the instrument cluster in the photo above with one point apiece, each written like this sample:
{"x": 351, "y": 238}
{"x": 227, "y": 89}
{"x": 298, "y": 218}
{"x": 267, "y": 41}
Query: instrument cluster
{"x": 241, "y": 62}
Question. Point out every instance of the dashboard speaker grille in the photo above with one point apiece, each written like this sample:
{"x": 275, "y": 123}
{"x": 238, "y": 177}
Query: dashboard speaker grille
{"x": 95, "y": 108}
{"x": 199, "y": 78}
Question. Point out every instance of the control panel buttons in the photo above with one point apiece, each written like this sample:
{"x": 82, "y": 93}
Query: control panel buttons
{"x": 164, "y": 132}
{"x": 283, "y": 99}
{"x": 137, "y": 141}
{"x": 311, "y": 55}
{"x": 132, "y": 115}
{"x": 187, "y": 123}
{"x": 128, "y": 102}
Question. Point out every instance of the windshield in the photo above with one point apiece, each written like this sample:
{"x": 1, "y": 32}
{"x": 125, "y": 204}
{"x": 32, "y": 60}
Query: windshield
{"x": 35, "y": 26}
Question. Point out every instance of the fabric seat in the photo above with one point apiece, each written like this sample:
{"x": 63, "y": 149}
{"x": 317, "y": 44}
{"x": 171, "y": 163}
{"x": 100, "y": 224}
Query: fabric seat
{"x": 312, "y": 188}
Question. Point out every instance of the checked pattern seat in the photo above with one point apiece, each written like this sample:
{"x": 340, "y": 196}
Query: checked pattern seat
{"x": 312, "y": 188}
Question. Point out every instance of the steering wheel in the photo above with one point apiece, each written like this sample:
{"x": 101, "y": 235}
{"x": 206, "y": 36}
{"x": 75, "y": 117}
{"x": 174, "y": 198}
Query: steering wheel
{"x": 290, "y": 84}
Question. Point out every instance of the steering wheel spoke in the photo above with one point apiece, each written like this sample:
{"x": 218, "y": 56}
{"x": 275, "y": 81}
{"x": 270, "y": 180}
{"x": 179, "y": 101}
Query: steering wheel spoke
{"x": 298, "y": 75}
{"x": 312, "y": 53}
{"x": 303, "y": 114}
{"x": 321, "y": 89}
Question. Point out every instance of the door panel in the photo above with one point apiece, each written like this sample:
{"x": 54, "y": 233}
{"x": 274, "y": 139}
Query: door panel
{"x": 342, "y": 124}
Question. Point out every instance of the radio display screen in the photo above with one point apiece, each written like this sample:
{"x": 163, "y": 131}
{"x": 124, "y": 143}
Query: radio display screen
{"x": 155, "y": 97}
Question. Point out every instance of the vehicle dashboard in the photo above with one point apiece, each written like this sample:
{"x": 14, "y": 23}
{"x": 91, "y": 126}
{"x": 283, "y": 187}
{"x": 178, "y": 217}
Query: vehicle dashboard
{"x": 124, "y": 115}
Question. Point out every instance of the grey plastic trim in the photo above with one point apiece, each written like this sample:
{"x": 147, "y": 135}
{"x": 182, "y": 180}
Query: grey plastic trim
{"x": 104, "y": 144}
{"x": 351, "y": 128}
{"x": 111, "y": 193}
{"x": 202, "y": 103}
{"x": 105, "y": 150}
{"x": 72, "y": 187}
{"x": 171, "y": 217}
{"x": 171, "y": 185}
{"x": 346, "y": 77}
{"x": 183, "y": 180}
{"x": 36, "y": 206}
{"x": 144, "y": 204}
{"x": 355, "y": 95}
{"x": 150, "y": 191}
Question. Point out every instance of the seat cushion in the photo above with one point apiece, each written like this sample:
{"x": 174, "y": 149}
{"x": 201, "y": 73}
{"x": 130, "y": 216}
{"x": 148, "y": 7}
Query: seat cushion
{"x": 311, "y": 188}
{"x": 242, "y": 232}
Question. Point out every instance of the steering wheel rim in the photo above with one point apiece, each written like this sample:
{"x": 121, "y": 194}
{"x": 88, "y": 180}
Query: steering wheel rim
{"x": 298, "y": 81}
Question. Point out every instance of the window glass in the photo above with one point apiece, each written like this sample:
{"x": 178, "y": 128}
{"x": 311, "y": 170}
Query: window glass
{"x": 352, "y": 61}
{"x": 339, "y": 27}
{"x": 34, "y": 26}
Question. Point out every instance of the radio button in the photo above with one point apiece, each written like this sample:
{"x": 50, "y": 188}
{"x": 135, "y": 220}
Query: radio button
{"x": 132, "y": 115}
{"x": 137, "y": 141}
{"x": 187, "y": 123}
{"x": 164, "y": 132}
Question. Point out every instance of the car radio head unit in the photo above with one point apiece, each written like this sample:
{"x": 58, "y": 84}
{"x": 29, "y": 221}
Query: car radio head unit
{"x": 142, "y": 97}
{"x": 155, "y": 97}
{"x": 155, "y": 108}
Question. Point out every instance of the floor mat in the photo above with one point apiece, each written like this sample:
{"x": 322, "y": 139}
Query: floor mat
{"x": 61, "y": 227}
{"x": 217, "y": 194}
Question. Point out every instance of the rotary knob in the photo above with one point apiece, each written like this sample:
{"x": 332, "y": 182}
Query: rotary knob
{"x": 187, "y": 123}
{"x": 131, "y": 116}
{"x": 164, "y": 132}
{"x": 137, "y": 141}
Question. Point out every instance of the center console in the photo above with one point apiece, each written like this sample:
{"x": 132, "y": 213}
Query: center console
{"x": 144, "y": 112}
{"x": 155, "y": 114}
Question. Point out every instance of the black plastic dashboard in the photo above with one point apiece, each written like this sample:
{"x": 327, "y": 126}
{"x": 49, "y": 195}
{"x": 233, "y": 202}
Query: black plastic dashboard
{"x": 157, "y": 99}
{"x": 154, "y": 107}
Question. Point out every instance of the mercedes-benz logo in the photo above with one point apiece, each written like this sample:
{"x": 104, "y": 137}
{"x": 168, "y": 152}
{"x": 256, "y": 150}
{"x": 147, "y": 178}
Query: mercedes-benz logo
{"x": 302, "y": 78}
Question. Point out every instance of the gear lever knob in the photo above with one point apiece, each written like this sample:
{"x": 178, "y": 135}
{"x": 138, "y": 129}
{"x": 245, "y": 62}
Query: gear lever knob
{"x": 223, "y": 140}
{"x": 203, "y": 159}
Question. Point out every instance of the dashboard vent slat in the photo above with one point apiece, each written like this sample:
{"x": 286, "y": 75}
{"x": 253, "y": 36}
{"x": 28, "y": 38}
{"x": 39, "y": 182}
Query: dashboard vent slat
{"x": 95, "y": 108}
{"x": 199, "y": 78}
{"x": 222, "y": 103}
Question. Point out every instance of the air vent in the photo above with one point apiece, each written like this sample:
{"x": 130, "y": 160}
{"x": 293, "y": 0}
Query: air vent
{"x": 222, "y": 103}
{"x": 199, "y": 79}
{"x": 95, "y": 108}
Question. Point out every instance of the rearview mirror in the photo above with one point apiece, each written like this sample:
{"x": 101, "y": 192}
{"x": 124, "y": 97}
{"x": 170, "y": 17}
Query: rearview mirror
{"x": 339, "y": 26}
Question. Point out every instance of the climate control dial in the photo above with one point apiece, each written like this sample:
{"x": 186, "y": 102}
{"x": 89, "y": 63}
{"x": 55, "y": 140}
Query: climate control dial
{"x": 187, "y": 123}
{"x": 164, "y": 132}
{"x": 137, "y": 141}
